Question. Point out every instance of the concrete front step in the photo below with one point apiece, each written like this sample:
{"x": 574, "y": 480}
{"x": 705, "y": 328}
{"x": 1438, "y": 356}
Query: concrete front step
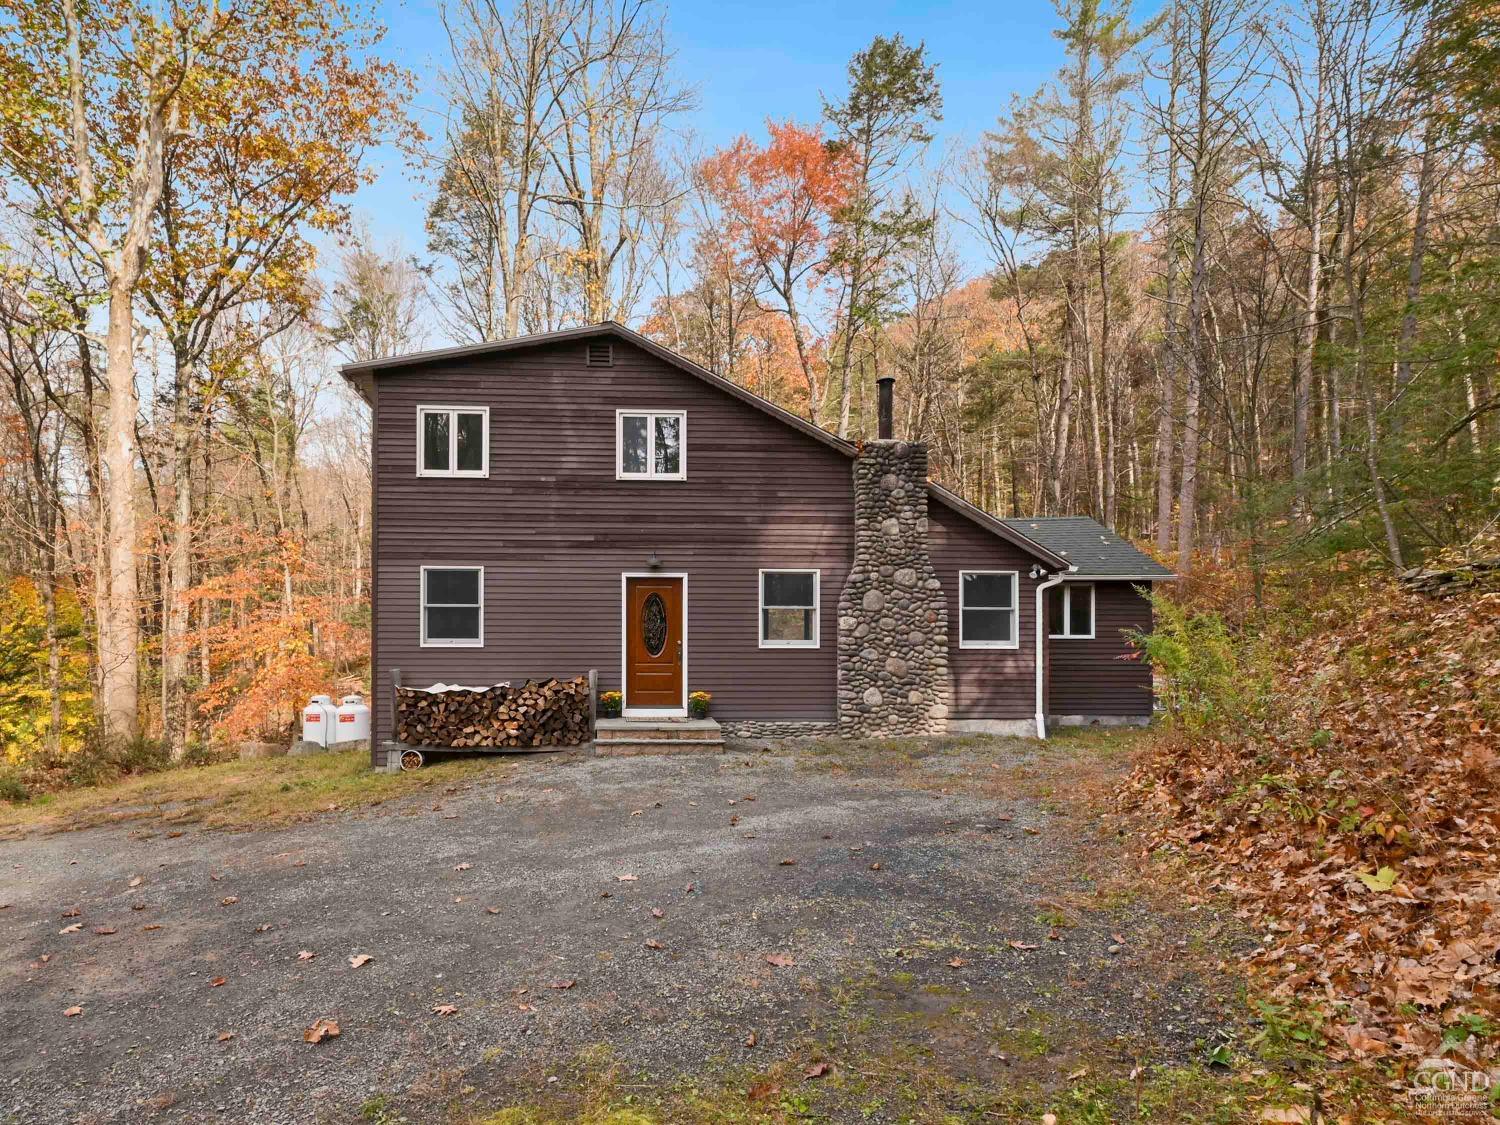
{"x": 622, "y": 737}
{"x": 640, "y": 730}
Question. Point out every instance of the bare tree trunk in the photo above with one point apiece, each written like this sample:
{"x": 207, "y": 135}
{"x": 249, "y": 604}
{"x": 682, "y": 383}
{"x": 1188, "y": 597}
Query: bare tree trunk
{"x": 119, "y": 633}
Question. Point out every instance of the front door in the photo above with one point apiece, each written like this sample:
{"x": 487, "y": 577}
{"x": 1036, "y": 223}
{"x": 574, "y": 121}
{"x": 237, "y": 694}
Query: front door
{"x": 653, "y": 644}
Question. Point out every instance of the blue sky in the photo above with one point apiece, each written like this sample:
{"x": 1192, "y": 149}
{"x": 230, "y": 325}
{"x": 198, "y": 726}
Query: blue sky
{"x": 769, "y": 59}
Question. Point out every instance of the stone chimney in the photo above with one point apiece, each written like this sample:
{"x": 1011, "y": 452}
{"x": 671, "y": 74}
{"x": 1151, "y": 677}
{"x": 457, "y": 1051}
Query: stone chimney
{"x": 893, "y": 618}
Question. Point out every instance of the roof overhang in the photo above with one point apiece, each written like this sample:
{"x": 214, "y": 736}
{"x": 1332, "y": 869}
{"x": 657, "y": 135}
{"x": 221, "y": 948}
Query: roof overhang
{"x": 1120, "y": 577}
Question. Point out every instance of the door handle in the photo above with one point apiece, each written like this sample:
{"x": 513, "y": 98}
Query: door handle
{"x": 679, "y": 652}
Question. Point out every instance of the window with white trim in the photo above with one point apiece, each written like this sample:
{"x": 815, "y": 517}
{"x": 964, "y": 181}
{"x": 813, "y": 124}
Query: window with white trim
{"x": 453, "y": 441}
{"x": 789, "y": 608}
{"x": 651, "y": 445}
{"x": 988, "y": 614}
{"x": 453, "y": 606}
{"x": 1070, "y": 611}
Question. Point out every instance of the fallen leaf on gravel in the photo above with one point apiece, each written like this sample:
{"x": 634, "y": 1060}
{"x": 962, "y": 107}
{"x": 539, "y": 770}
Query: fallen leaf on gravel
{"x": 957, "y": 963}
{"x": 444, "y": 1009}
{"x": 152, "y": 926}
{"x": 1033, "y": 831}
{"x": 628, "y": 878}
{"x": 138, "y": 906}
{"x": 176, "y": 834}
{"x": 228, "y": 900}
{"x": 75, "y": 1010}
{"x": 688, "y": 889}
{"x": 263, "y": 927}
{"x": 74, "y": 912}
{"x": 1117, "y": 937}
{"x": 751, "y": 1040}
{"x": 656, "y": 912}
{"x": 225, "y": 1036}
{"x": 817, "y": 1070}
{"x": 105, "y": 931}
{"x": 463, "y": 867}
{"x": 492, "y": 910}
{"x": 787, "y": 863}
{"x": 305, "y": 955}
{"x": 562, "y": 985}
{"x": 763, "y": 1090}
{"x": 780, "y": 960}
{"x": 605, "y": 894}
{"x": 638, "y": 812}
{"x": 323, "y": 1029}
{"x": 733, "y": 821}
{"x": 73, "y": 929}
{"x": 1077, "y": 1074}
{"x": 1022, "y": 945}
{"x": 360, "y": 959}
{"x": 218, "y": 982}
{"x": 874, "y": 867}
{"x": 652, "y": 943}
{"x": 136, "y": 882}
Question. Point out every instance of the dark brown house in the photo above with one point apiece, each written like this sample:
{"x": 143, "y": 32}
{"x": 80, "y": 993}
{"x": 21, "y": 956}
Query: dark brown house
{"x": 589, "y": 499}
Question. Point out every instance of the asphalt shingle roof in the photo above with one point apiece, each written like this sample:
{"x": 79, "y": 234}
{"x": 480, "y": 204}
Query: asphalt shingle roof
{"x": 1090, "y": 546}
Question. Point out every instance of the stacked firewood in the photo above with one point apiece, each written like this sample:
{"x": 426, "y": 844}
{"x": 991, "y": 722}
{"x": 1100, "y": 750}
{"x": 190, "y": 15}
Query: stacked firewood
{"x": 536, "y": 713}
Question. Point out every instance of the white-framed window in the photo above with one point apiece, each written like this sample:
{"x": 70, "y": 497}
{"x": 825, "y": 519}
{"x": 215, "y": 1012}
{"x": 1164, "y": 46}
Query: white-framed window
{"x": 453, "y": 607}
{"x": 1070, "y": 611}
{"x": 789, "y": 608}
{"x": 650, "y": 445}
{"x": 453, "y": 441}
{"x": 988, "y": 615}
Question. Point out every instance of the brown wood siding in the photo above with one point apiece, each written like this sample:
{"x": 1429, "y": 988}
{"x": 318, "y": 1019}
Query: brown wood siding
{"x": 987, "y": 683}
{"x": 554, "y": 529}
{"x": 1087, "y": 676}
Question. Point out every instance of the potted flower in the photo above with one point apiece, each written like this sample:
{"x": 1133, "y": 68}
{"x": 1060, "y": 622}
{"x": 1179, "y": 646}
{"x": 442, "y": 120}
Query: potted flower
{"x": 698, "y": 703}
{"x": 609, "y": 704}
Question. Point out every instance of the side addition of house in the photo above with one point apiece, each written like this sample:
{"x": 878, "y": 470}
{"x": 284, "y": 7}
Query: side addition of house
{"x": 587, "y": 499}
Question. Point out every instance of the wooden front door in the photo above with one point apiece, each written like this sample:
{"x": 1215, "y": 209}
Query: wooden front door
{"x": 653, "y": 643}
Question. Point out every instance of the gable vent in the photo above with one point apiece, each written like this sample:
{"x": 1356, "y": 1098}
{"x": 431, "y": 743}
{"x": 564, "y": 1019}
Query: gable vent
{"x": 600, "y": 354}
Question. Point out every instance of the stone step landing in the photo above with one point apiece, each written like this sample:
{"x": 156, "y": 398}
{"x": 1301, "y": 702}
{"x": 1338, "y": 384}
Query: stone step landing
{"x": 624, "y": 737}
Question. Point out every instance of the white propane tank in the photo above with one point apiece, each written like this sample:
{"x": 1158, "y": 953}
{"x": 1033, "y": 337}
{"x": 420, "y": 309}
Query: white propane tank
{"x": 352, "y": 720}
{"x": 317, "y": 717}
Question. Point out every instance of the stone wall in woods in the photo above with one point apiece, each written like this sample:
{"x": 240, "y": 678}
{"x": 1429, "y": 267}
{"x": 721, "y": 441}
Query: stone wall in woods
{"x": 893, "y": 618}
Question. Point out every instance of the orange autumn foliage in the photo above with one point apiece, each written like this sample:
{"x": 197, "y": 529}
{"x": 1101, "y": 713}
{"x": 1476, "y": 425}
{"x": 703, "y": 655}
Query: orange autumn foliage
{"x": 273, "y": 641}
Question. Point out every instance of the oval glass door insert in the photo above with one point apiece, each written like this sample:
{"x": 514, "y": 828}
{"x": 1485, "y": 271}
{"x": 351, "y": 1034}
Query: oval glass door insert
{"x": 654, "y": 624}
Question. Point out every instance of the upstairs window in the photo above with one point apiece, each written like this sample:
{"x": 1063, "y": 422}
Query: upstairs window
{"x": 789, "y": 608}
{"x": 453, "y": 606}
{"x": 453, "y": 441}
{"x": 1070, "y": 611}
{"x": 987, "y": 601}
{"x": 650, "y": 445}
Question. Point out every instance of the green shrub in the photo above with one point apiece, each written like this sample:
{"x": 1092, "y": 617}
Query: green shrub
{"x": 12, "y": 790}
{"x": 1205, "y": 676}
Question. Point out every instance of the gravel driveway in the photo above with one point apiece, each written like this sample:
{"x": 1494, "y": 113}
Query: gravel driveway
{"x": 574, "y": 903}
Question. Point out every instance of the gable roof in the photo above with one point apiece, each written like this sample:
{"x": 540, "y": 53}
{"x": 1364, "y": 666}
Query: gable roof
{"x": 357, "y": 373}
{"x": 1093, "y": 549}
{"x": 361, "y": 373}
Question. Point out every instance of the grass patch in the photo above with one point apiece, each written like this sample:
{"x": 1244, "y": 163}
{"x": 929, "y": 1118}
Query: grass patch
{"x": 238, "y": 794}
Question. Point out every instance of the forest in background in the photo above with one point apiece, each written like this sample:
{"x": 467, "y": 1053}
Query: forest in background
{"x": 1228, "y": 283}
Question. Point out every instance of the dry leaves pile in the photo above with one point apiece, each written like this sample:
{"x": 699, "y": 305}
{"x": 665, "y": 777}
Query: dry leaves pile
{"x": 1357, "y": 823}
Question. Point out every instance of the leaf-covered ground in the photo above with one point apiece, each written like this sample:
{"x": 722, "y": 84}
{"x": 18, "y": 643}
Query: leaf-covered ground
{"x": 1355, "y": 817}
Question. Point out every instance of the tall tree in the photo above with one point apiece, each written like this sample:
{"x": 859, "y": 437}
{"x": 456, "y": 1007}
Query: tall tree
{"x": 87, "y": 140}
{"x": 883, "y": 124}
